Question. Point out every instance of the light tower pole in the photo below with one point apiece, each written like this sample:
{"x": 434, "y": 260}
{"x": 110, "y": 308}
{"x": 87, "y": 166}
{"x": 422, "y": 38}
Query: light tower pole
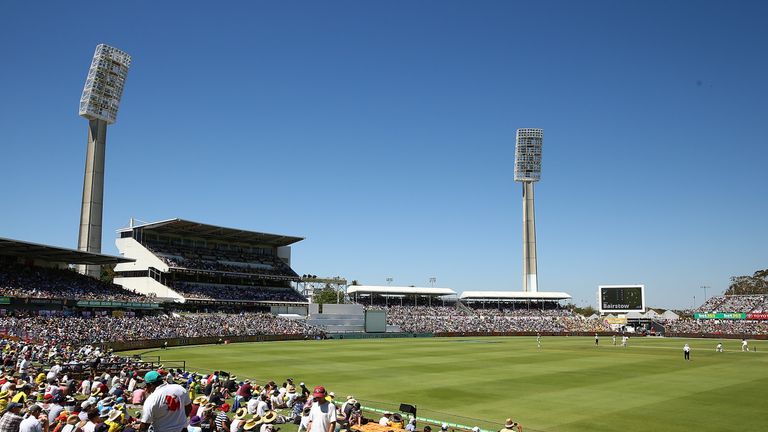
{"x": 99, "y": 104}
{"x": 528, "y": 144}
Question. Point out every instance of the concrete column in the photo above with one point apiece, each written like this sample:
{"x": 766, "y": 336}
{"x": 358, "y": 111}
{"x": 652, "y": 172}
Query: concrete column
{"x": 530, "y": 284}
{"x": 89, "y": 238}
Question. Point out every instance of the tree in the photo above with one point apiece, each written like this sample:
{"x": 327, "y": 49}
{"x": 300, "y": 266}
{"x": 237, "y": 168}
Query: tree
{"x": 328, "y": 295}
{"x": 755, "y": 284}
{"x": 108, "y": 273}
{"x": 586, "y": 311}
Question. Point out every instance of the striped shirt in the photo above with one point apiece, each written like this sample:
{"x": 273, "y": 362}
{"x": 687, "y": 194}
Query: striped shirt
{"x": 221, "y": 419}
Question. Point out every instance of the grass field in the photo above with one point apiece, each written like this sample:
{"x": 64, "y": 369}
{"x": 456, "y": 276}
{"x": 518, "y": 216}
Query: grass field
{"x": 566, "y": 385}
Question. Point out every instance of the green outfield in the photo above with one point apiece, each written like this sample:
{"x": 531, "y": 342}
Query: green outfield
{"x": 566, "y": 385}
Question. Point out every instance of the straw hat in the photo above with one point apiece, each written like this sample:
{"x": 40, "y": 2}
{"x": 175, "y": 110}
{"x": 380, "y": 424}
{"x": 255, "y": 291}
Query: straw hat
{"x": 114, "y": 415}
{"x": 200, "y": 400}
{"x": 269, "y": 417}
{"x": 241, "y": 413}
{"x": 73, "y": 419}
{"x": 5, "y": 394}
{"x": 252, "y": 423}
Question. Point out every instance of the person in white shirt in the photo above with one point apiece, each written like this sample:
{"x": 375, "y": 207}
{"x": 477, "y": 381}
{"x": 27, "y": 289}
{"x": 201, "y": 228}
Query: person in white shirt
{"x": 262, "y": 407}
{"x": 34, "y": 421}
{"x": 384, "y": 420}
{"x": 93, "y": 420}
{"x": 687, "y": 352}
{"x": 251, "y": 405}
{"x": 719, "y": 347}
{"x": 167, "y": 407}
{"x": 744, "y": 346}
{"x": 322, "y": 415}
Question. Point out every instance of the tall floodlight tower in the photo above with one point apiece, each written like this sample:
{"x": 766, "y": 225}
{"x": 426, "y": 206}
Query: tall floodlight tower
{"x": 99, "y": 103}
{"x": 528, "y": 171}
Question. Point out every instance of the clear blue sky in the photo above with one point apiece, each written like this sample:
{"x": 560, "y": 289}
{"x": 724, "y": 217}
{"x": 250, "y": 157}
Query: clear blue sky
{"x": 383, "y": 132}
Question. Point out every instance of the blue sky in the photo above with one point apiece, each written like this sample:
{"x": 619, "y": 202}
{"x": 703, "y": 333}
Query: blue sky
{"x": 383, "y": 132}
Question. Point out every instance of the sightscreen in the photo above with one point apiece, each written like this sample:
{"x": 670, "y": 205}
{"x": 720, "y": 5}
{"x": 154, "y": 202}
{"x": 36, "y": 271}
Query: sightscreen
{"x": 375, "y": 321}
{"x": 629, "y": 298}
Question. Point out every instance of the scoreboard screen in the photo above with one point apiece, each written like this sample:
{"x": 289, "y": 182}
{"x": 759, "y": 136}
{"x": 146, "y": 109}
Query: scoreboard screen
{"x": 621, "y": 298}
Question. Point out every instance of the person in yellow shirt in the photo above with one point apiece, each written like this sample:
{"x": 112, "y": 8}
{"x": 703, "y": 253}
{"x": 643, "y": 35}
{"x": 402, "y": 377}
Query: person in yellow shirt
{"x": 115, "y": 421}
{"x": 4, "y": 399}
{"x": 21, "y": 395}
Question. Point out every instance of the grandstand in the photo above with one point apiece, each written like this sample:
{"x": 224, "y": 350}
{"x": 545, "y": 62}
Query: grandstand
{"x": 188, "y": 262}
{"x": 34, "y": 275}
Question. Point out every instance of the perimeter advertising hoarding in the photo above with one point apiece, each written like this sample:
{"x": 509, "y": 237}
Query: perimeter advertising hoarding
{"x": 757, "y": 316}
{"x": 720, "y": 315}
{"x": 621, "y": 298}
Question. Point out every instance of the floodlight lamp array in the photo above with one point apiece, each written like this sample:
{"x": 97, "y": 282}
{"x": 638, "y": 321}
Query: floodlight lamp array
{"x": 104, "y": 84}
{"x": 528, "y": 154}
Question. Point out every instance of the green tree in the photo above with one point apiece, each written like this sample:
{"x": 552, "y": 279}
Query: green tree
{"x": 108, "y": 273}
{"x": 586, "y": 311}
{"x": 328, "y": 295}
{"x": 755, "y": 284}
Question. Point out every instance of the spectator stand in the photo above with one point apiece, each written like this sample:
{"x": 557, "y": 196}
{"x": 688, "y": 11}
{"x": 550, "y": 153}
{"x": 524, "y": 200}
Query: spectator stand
{"x": 400, "y": 296}
{"x": 36, "y": 277}
{"x": 514, "y": 300}
{"x": 181, "y": 260}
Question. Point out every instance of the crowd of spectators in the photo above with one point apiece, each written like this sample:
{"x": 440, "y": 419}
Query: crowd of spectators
{"x": 717, "y": 327}
{"x": 18, "y": 280}
{"x": 94, "y": 330}
{"x": 55, "y": 387}
{"x": 440, "y": 319}
{"x": 735, "y": 303}
{"x": 221, "y": 260}
{"x": 237, "y": 292}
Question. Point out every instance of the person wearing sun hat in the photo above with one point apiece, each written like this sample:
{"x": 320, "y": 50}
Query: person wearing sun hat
{"x": 197, "y": 403}
{"x": 253, "y": 423}
{"x": 268, "y": 421}
{"x": 5, "y": 397}
{"x": 115, "y": 420}
{"x": 322, "y": 415}
{"x": 21, "y": 394}
{"x": 167, "y": 406}
{"x": 238, "y": 420}
{"x": 511, "y": 426}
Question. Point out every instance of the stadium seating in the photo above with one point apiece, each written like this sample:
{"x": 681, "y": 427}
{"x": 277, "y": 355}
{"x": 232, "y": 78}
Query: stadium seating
{"x": 38, "y": 282}
{"x": 440, "y": 319}
{"x": 734, "y": 303}
{"x": 195, "y": 258}
{"x": 237, "y": 292}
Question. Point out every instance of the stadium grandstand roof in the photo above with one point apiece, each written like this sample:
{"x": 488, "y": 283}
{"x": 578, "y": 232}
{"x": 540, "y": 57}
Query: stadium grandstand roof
{"x": 43, "y": 252}
{"x": 187, "y": 228}
{"x": 371, "y": 289}
{"x": 513, "y": 295}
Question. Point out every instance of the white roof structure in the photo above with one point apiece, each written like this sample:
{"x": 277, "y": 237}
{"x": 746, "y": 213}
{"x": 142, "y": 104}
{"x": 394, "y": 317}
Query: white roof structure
{"x": 384, "y": 290}
{"x": 652, "y": 314}
{"x": 669, "y": 315}
{"x": 513, "y": 295}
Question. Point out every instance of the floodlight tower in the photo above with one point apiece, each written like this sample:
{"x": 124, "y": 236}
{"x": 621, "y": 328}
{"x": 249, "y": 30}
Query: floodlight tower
{"x": 99, "y": 103}
{"x": 528, "y": 171}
